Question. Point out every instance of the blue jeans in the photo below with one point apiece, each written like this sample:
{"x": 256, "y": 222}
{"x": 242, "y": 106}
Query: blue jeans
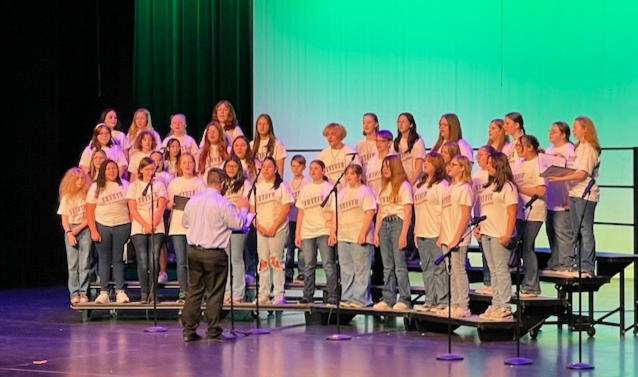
{"x": 355, "y": 261}
{"x": 309, "y": 247}
{"x": 487, "y": 277}
{"x": 290, "y": 253}
{"x": 180, "y": 246}
{"x": 395, "y": 269}
{"x": 77, "y": 259}
{"x": 250, "y": 252}
{"x": 271, "y": 260}
{"x": 530, "y": 282}
{"x": 435, "y": 278}
{"x": 236, "y": 251}
{"x": 459, "y": 283}
{"x": 142, "y": 243}
{"x": 561, "y": 240}
{"x": 587, "y": 246}
{"x": 111, "y": 252}
{"x": 497, "y": 257}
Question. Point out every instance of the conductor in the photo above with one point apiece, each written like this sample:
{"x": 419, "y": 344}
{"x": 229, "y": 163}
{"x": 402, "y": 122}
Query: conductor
{"x": 209, "y": 219}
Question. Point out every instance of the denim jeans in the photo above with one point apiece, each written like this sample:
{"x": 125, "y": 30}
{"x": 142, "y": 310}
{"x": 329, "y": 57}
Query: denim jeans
{"x": 250, "y": 252}
{"x": 111, "y": 252}
{"x": 587, "y": 246}
{"x": 355, "y": 261}
{"x": 146, "y": 267}
{"x": 530, "y": 281}
{"x": 487, "y": 277}
{"x": 459, "y": 283}
{"x": 497, "y": 257}
{"x": 236, "y": 251}
{"x": 561, "y": 240}
{"x": 435, "y": 278}
{"x": 290, "y": 253}
{"x": 180, "y": 246}
{"x": 271, "y": 254}
{"x": 77, "y": 259}
{"x": 309, "y": 247}
{"x": 395, "y": 269}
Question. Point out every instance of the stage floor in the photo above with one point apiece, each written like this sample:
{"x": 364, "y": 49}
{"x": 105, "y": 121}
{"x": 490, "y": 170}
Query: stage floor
{"x": 41, "y": 336}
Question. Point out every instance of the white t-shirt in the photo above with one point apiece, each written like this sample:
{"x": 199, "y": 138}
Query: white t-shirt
{"x": 557, "y": 195}
{"x": 373, "y": 174}
{"x": 158, "y": 142}
{"x": 408, "y": 159}
{"x": 111, "y": 205}
{"x": 479, "y": 179}
{"x": 427, "y": 209}
{"x": 456, "y": 195}
{"x": 121, "y": 139}
{"x": 270, "y": 203}
{"x": 366, "y": 149}
{"x": 165, "y": 177}
{"x": 278, "y": 152}
{"x": 512, "y": 155}
{"x": 587, "y": 159}
{"x": 187, "y": 143}
{"x": 464, "y": 146}
{"x": 353, "y": 203}
{"x": 247, "y": 173}
{"x": 494, "y": 206}
{"x": 230, "y": 135}
{"x": 527, "y": 174}
{"x": 295, "y": 187}
{"x": 74, "y": 208}
{"x": 336, "y": 162}
{"x": 185, "y": 187}
{"x": 134, "y": 163}
{"x": 213, "y": 160}
{"x": 316, "y": 219}
{"x": 388, "y": 207}
{"x": 112, "y": 153}
{"x": 234, "y": 197}
{"x": 134, "y": 192}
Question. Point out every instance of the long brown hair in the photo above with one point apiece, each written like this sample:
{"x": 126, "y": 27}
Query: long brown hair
{"x": 250, "y": 159}
{"x": 397, "y": 175}
{"x": 503, "y": 175}
{"x": 502, "y": 138}
{"x": 221, "y": 146}
{"x": 101, "y": 178}
{"x": 231, "y": 110}
{"x": 454, "y": 126}
{"x": 439, "y": 170}
{"x": 270, "y": 147}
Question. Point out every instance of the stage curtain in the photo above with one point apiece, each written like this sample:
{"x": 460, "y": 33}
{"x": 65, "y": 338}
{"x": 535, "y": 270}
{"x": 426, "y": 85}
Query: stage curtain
{"x": 189, "y": 55}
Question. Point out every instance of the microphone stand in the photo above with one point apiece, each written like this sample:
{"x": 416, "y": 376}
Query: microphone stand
{"x": 155, "y": 328}
{"x": 233, "y": 332}
{"x": 580, "y": 365}
{"x": 338, "y": 336}
{"x": 256, "y": 330}
{"x": 449, "y": 356}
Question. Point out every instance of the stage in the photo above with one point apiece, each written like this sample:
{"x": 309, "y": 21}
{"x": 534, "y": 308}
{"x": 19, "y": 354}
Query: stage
{"x": 42, "y": 336}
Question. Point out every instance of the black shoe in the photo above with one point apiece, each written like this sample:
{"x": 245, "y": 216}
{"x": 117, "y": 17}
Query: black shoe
{"x": 300, "y": 277}
{"x": 304, "y": 300}
{"x": 288, "y": 279}
{"x": 144, "y": 298}
{"x": 221, "y": 338}
{"x": 192, "y": 337}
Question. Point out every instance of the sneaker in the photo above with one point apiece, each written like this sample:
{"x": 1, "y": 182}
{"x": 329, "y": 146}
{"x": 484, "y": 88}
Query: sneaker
{"x": 332, "y": 302}
{"x": 485, "y": 290}
{"x": 75, "y": 300}
{"x": 144, "y": 298}
{"x": 181, "y": 298}
{"x": 226, "y": 300}
{"x": 84, "y": 299}
{"x": 279, "y": 300}
{"x": 355, "y": 305}
{"x": 487, "y": 313}
{"x": 121, "y": 298}
{"x": 498, "y": 314}
{"x": 527, "y": 294}
{"x": 345, "y": 304}
{"x": 249, "y": 279}
{"x": 238, "y": 300}
{"x": 103, "y": 298}
{"x": 162, "y": 278}
{"x": 304, "y": 301}
{"x": 461, "y": 313}
{"x": 400, "y": 306}
{"x": 442, "y": 310}
{"x": 288, "y": 279}
{"x": 299, "y": 277}
{"x": 381, "y": 305}
{"x": 263, "y": 300}
{"x": 424, "y": 308}
{"x": 584, "y": 274}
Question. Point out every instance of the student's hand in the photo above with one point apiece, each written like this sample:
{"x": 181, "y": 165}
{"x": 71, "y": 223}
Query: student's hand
{"x": 477, "y": 233}
{"x": 361, "y": 239}
{"x": 505, "y": 240}
{"x": 438, "y": 242}
{"x": 95, "y": 236}
{"x": 243, "y": 203}
{"x": 262, "y": 230}
{"x": 298, "y": 241}
{"x": 403, "y": 241}
{"x": 147, "y": 228}
{"x": 332, "y": 240}
{"x": 376, "y": 239}
{"x": 71, "y": 238}
{"x": 271, "y": 231}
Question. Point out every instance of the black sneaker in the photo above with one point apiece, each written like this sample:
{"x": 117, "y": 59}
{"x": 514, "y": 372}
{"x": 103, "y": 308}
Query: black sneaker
{"x": 300, "y": 277}
{"x": 144, "y": 298}
{"x": 304, "y": 301}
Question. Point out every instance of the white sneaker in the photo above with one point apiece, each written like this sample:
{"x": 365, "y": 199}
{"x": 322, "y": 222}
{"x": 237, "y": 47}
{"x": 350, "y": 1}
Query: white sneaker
{"x": 279, "y": 300}
{"x": 461, "y": 313}
{"x": 424, "y": 308}
{"x": 485, "y": 290}
{"x": 103, "y": 298}
{"x": 263, "y": 300}
{"x": 400, "y": 306}
{"x": 443, "y": 311}
{"x": 381, "y": 305}
{"x": 121, "y": 298}
{"x": 162, "y": 278}
{"x": 498, "y": 314}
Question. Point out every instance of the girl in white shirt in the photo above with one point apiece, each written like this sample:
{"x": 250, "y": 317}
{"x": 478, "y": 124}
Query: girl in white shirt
{"x": 338, "y": 155}
{"x": 178, "y": 131}
{"x": 272, "y": 204}
{"x": 479, "y": 179}
{"x": 97, "y": 158}
{"x": 214, "y": 152}
{"x": 410, "y": 147}
{"x": 529, "y": 183}
{"x": 314, "y": 232}
{"x": 166, "y": 178}
{"x": 586, "y": 163}
{"x": 366, "y": 147}
{"x": 142, "y": 122}
{"x": 241, "y": 149}
{"x": 449, "y": 150}
{"x": 450, "y": 130}
{"x": 496, "y": 136}
{"x": 373, "y": 170}
{"x": 266, "y": 144}
{"x": 455, "y": 216}
{"x": 559, "y": 222}
{"x": 109, "y": 117}
{"x": 102, "y": 140}
{"x": 298, "y": 181}
{"x": 110, "y": 226}
{"x": 185, "y": 185}
{"x": 499, "y": 203}
{"x": 236, "y": 188}
{"x": 171, "y": 156}
{"x": 77, "y": 237}
{"x": 357, "y": 206}
{"x": 428, "y": 197}
{"x": 224, "y": 113}
{"x": 143, "y": 146}
{"x": 391, "y": 234}
{"x": 513, "y": 126}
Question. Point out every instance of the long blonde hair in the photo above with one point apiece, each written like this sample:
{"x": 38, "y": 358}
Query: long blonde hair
{"x": 133, "y": 130}
{"x": 590, "y": 136}
{"x": 466, "y": 174}
{"x": 397, "y": 175}
{"x": 68, "y": 187}
{"x": 502, "y": 138}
